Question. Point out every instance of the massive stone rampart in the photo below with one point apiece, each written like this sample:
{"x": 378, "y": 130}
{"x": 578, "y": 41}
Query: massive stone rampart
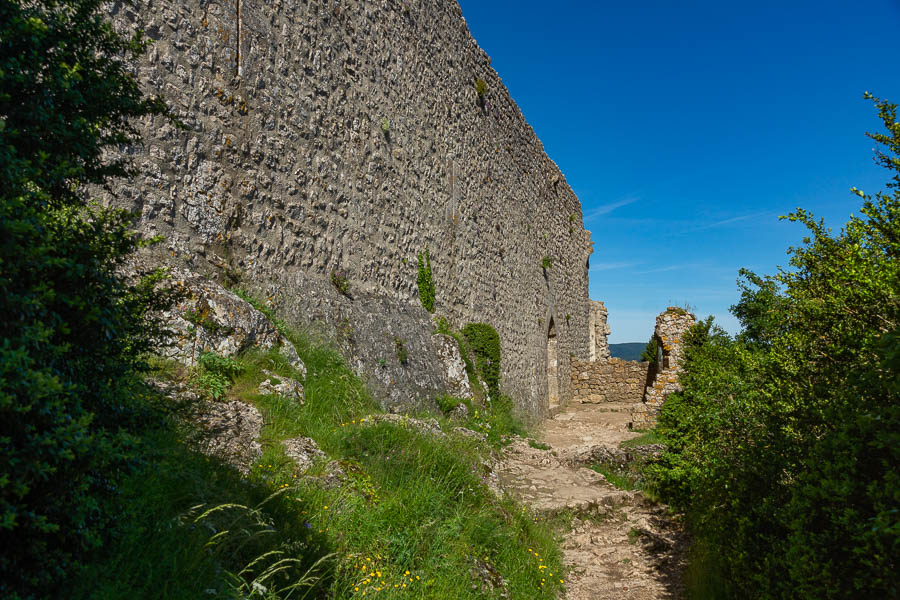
{"x": 348, "y": 136}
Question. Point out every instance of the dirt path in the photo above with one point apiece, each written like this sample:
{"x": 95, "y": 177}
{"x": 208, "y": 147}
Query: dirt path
{"x": 621, "y": 546}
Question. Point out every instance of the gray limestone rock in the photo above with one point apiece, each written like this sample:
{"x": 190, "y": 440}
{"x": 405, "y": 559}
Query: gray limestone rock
{"x": 231, "y": 432}
{"x": 275, "y": 384}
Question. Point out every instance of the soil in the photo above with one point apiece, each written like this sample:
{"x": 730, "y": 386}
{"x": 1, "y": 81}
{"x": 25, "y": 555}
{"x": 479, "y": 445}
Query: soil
{"x": 621, "y": 545}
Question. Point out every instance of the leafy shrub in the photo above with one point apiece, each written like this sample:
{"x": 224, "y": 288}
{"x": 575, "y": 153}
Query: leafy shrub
{"x": 783, "y": 445}
{"x": 546, "y": 262}
{"x": 485, "y": 345}
{"x": 73, "y": 333}
{"x": 425, "y": 282}
{"x": 217, "y": 373}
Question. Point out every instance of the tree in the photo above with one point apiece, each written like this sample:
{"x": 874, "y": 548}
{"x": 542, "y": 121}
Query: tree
{"x": 651, "y": 351}
{"x": 73, "y": 332}
{"x": 785, "y": 440}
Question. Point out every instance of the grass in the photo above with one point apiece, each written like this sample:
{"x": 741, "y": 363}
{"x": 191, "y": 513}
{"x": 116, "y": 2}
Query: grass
{"x": 413, "y": 517}
{"x": 646, "y": 438}
{"x": 538, "y": 445}
{"x": 619, "y": 480}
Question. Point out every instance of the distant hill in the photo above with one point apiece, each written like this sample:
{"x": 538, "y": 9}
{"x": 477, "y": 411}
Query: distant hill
{"x": 628, "y": 350}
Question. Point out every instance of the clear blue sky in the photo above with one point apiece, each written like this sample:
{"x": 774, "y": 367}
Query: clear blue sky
{"x": 687, "y": 128}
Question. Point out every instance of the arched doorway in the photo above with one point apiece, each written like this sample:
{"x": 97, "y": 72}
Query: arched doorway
{"x": 552, "y": 367}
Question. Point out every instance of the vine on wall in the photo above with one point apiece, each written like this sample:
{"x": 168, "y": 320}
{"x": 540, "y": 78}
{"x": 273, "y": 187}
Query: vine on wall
{"x": 485, "y": 344}
{"x": 425, "y": 282}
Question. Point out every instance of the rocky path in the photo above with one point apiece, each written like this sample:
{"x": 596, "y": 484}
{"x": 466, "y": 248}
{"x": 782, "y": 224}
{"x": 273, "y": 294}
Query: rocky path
{"x": 621, "y": 546}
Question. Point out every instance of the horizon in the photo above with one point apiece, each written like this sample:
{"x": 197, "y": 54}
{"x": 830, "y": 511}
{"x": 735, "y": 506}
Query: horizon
{"x": 686, "y": 131}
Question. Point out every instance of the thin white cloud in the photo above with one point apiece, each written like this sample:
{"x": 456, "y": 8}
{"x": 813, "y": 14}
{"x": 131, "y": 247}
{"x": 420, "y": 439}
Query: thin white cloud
{"x": 608, "y": 208}
{"x": 724, "y": 222}
{"x": 613, "y": 265}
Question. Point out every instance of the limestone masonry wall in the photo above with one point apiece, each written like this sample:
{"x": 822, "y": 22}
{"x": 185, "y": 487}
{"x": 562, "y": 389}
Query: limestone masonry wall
{"x": 348, "y": 136}
{"x": 599, "y": 331}
{"x": 610, "y": 380}
{"x": 671, "y": 327}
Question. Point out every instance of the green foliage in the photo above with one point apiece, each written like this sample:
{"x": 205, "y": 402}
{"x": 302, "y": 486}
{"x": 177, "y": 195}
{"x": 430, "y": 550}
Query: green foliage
{"x": 538, "y": 445}
{"x": 400, "y": 350}
{"x": 448, "y": 403}
{"x": 385, "y": 126}
{"x": 73, "y": 333}
{"x": 425, "y": 282}
{"x": 546, "y": 262}
{"x": 783, "y": 445}
{"x": 485, "y": 345}
{"x": 651, "y": 351}
{"x": 480, "y": 87}
{"x": 216, "y": 374}
{"x": 340, "y": 282}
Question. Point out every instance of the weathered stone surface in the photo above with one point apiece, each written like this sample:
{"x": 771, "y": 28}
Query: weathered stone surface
{"x": 459, "y": 412}
{"x": 303, "y": 450}
{"x": 671, "y": 327}
{"x": 231, "y": 432}
{"x": 609, "y": 380}
{"x": 213, "y": 319}
{"x": 281, "y": 386}
{"x": 599, "y": 331}
{"x": 454, "y": 371}
{"x": 285, "y": 175}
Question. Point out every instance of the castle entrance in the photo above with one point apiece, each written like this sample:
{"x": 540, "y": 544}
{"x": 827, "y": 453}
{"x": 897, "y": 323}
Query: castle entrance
{"x": 552, "y": 367}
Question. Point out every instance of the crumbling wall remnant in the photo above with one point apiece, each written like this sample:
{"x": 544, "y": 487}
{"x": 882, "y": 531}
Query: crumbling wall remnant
{"x": 671, "y": 327}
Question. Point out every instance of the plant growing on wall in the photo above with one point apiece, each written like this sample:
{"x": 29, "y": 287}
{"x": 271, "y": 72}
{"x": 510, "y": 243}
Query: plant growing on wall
{"x": 546, "y": 262}
{"x": 480, "y": 88}
{"x": 400, "y": 350}
{"x": 340, "y": 282}
{"x": 425, "y": 282}
{"x": 485, "y": 344}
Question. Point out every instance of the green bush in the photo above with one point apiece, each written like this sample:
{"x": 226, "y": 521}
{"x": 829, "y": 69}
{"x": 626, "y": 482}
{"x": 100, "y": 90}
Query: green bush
{"x": 783, "y": 444}
{"x": 485, "y": 345}
{"x": 425, "y": 282}
{"x": 73, "y": 332}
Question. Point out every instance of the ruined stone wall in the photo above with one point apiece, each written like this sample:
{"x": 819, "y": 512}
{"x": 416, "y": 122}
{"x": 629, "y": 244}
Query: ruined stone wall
{"x": 348, "y": 136}
{"x": 599, "y": 331}
{"x": 671, "y": 326}
{"x": 611, "y": 380}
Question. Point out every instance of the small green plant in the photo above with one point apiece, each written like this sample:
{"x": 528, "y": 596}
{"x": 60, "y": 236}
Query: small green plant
{"x": 538, "y": 445}
{"x": 216, "y": 374}
{"x": 340, "y": 282}
{"x": 385, "y": 126}
{"x": 400, "y": 350}
{"x": 425, "y": 281}
{"x": 568, "y": 318}
{"x": 572, "y": 218}
{"x": 546, "y": 262}
{"x": 448, "y": 403}
{"x": 481, "y": 88}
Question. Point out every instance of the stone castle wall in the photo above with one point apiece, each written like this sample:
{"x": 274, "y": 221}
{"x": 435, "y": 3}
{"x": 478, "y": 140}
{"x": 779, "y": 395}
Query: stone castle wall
{"x": 671, "y": 327}
{"x": 348, "y": 136}
{"x": 599, "y": 331}
{"x": 609, "y": 380}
